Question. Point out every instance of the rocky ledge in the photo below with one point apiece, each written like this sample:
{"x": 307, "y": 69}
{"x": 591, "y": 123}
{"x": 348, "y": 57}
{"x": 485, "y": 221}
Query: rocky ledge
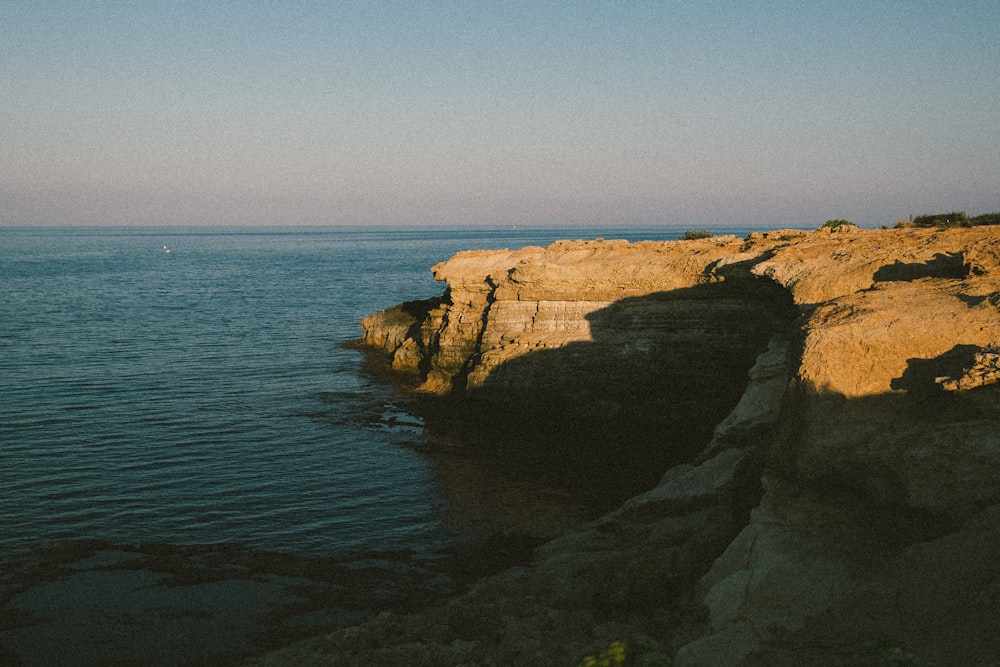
{"x": 807, "y": 431}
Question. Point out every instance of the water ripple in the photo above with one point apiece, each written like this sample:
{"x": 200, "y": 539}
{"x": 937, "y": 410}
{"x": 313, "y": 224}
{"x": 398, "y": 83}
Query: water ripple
{"x": 203, "y": 399}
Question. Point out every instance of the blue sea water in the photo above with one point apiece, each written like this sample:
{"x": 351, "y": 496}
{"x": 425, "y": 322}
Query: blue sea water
{"x": 193, "y": 466}
{"x": 203, "y": 395}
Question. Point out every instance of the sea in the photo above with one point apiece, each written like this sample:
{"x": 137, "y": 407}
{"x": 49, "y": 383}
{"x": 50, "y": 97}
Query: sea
{"x": 179, "y": 400}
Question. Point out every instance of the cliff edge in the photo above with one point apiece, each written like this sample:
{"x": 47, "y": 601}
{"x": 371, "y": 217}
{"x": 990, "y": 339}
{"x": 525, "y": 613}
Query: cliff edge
{"x": 816, "y": 415}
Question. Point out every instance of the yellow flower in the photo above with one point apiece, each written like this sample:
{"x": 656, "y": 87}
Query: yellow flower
{"x": 613, "y": 657}
{"x": 617, "y": 653}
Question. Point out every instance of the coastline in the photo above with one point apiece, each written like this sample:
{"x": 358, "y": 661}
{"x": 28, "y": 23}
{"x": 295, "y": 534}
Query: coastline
{"x": 857, "y": 453}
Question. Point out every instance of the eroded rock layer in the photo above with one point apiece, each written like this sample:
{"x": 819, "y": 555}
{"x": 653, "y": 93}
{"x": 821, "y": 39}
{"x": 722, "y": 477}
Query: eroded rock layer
{"x": 844, "y": 506}
{"x": 615, "y": 360}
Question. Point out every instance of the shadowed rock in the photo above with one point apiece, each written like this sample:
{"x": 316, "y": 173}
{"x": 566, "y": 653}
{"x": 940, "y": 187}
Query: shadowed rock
{"x": 820, "y": 409}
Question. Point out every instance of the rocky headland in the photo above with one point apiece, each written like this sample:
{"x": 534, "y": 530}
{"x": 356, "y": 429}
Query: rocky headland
{"x": 799, "y": 431}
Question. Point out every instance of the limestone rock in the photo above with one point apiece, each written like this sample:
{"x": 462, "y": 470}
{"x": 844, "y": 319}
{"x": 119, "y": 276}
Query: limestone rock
{"x": 983, "y": 370}
{"x": 837, "y": 393}
{"x": 797, "y": 555}
{"x": 505, "y": 304}
{"x": 755, "y": 416}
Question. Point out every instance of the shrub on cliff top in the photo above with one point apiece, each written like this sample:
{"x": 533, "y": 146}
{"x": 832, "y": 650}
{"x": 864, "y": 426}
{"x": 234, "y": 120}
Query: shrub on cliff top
{"x": 834, "y": 224}
{"x": 986, "y": 219}
{"x": 953, "y": 219}
{"x": 691, "y": 235}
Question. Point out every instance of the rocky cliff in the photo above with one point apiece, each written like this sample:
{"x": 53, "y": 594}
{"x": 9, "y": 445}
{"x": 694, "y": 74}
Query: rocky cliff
{"x": 820, "y": 413}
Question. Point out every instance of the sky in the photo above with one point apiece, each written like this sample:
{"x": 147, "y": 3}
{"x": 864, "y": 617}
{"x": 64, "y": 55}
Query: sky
{"x": 754, "y": 113}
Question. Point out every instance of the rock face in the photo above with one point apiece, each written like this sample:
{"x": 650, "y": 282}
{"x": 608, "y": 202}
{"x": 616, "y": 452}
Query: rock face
{"x": 824, "y": 409}
{"x": 614, "y": 357}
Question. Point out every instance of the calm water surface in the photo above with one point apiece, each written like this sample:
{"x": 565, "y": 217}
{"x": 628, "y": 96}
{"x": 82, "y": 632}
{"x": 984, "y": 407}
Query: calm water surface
{"x": 202, "y": 395}
{"x": 194, "y": 469}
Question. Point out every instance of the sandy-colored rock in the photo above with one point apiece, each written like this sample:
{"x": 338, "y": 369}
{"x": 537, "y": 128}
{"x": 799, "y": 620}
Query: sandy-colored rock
{"x": 847, "y": 480}
{"x": 505, "y": 304}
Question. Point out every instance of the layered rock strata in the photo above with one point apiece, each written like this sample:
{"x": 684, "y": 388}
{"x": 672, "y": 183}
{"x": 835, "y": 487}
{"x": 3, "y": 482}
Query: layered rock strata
{"x": 844, "y": 508}
{"x": 611, "y": 361}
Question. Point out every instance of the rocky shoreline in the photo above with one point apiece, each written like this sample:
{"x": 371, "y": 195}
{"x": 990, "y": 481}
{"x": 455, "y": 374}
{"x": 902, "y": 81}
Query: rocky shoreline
{"x": 805, "y": 428}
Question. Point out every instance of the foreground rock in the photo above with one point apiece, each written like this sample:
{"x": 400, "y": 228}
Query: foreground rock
{"x": 823, "y": 408}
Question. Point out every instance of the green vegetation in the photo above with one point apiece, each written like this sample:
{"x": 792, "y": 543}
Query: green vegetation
{"x": 613, "y": 657}
{"x": 985, "y": 219}
{"x": 691, "y": 235}
{"x": 834, "y": 224}
{"x": 951, "y": 219}
{"x": 641, "y": 651}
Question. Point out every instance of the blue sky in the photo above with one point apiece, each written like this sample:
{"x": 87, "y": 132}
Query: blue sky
{"x": 763, "y": 114}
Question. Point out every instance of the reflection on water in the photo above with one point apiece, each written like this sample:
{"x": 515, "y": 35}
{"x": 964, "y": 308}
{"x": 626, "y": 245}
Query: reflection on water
{"x": 484, "y": 496}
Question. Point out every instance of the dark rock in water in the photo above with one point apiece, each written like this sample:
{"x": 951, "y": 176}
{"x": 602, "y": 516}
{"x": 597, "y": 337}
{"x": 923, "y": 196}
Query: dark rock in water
{"x": 86, "y": 603}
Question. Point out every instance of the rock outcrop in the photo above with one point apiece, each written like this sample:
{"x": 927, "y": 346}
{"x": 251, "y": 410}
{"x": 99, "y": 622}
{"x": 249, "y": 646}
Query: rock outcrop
{"x": 612, "y": 357}
{"x": 825, "y": 411}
